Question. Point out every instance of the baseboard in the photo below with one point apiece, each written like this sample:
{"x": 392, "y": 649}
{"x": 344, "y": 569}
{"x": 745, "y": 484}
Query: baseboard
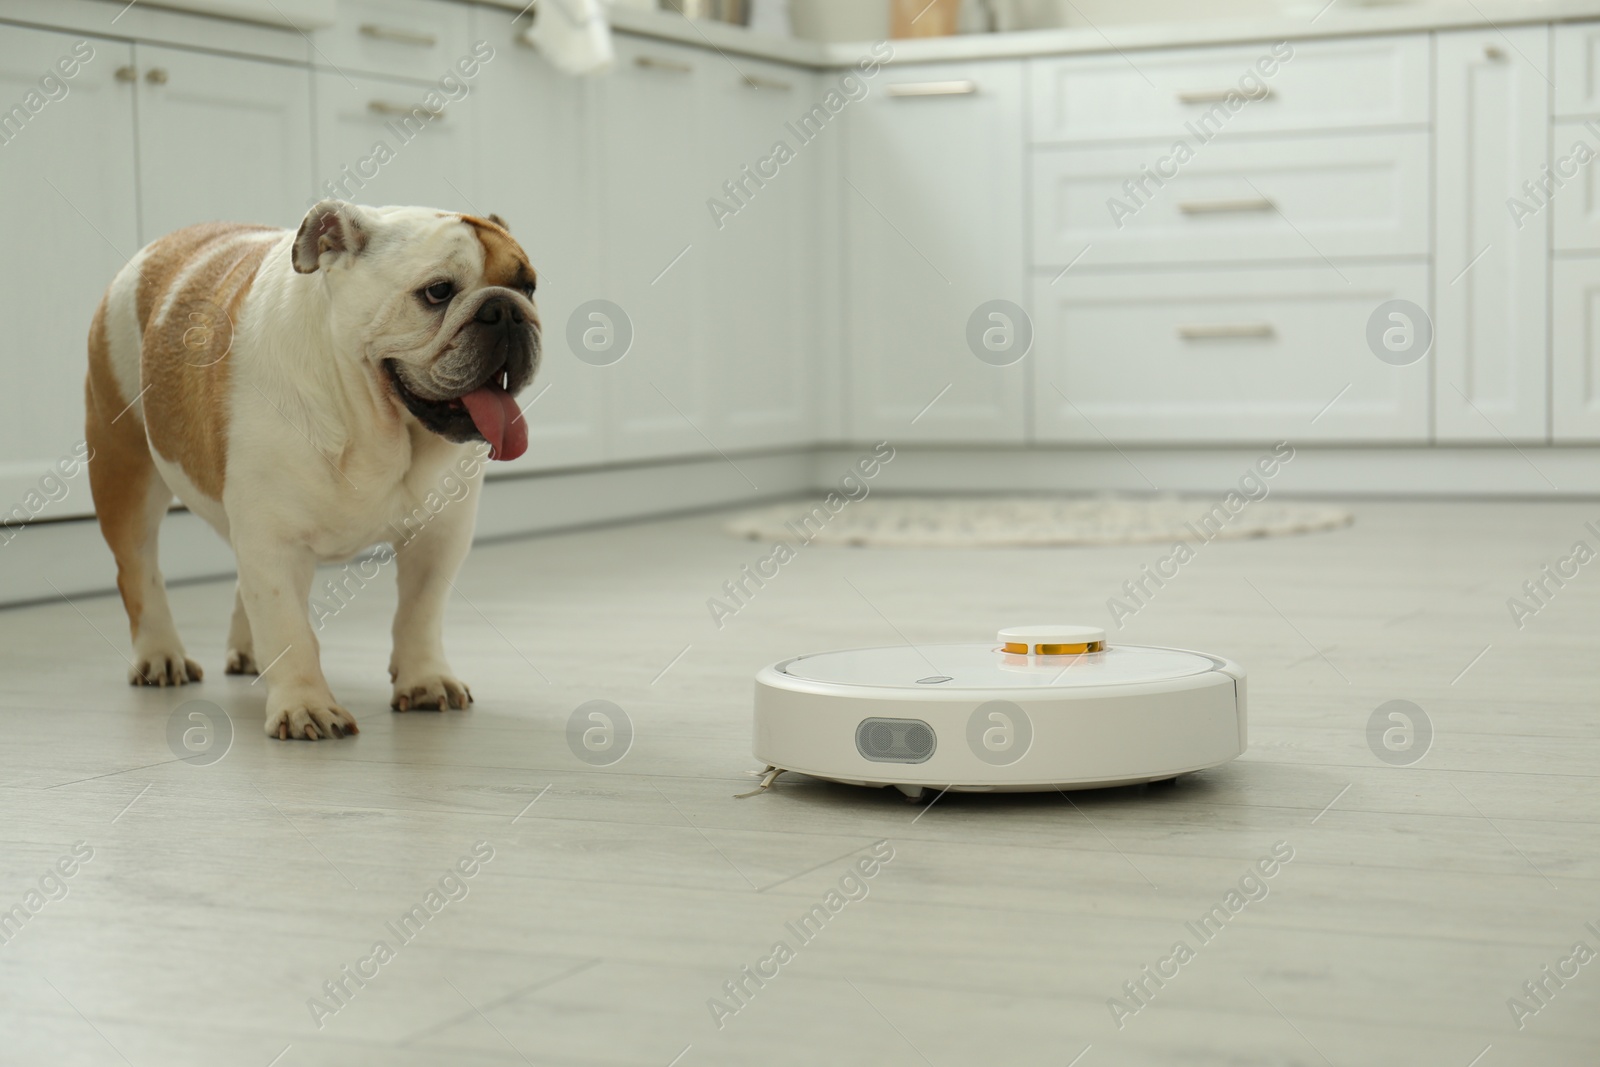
{"x": 68, "y": 558}
{"x": 543, "y": 502}
{"x": 1436, "y": 471}
{"x": 48, "y": 560}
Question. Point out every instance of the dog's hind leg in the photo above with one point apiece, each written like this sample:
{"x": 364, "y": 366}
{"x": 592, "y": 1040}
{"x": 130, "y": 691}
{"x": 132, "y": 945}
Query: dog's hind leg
{"x": 241, "y": 647}
{"x": 130, "y": 500}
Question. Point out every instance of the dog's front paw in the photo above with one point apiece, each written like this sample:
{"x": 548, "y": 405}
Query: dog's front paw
{"x": 429, "y": 691}
{"x": 309, "y": 720}
{"x": 163, "y": 667}
{"x": 241, "y": 661}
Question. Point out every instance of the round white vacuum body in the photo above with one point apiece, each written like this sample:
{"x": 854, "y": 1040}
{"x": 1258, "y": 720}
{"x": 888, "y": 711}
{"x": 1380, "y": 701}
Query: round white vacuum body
{"x": 1046, "y": 707}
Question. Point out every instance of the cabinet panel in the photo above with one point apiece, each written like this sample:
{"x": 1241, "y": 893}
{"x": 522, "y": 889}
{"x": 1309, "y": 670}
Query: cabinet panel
{"x": 655, "y": 230}
{"x": 761, "y": 277}
{"x": 1304, "y": 198}
{"x": 1576, "y": 200}
{"x": 541, "y": 182}
{"x": 1370, "y": 81}
{"x": 221, "y": 138}
{"x": 1492, "y": 268}
{"x": 378, "y": 144}
{"x": 1576, "y": 351}
{"x": 932, "y": 205}
{"x": 1577, "y": 69}
{"x": 67, "y": 166}
{"x": 1225, "y": 355}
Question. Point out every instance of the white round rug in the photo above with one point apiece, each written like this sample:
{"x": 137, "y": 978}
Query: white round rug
{"x": 984, "y": 522}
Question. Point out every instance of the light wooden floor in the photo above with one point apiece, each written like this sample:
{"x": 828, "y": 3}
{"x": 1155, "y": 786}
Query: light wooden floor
{"x": 219, "y": 898}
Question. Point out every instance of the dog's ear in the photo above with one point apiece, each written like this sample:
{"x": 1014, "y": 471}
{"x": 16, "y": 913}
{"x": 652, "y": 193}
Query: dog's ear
{"x": 332, "y": 226}
{"x": 500, "y": 222}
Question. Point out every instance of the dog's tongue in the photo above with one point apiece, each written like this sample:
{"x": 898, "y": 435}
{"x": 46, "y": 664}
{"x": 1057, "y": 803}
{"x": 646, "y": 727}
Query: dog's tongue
{"x": 494, "y": 412}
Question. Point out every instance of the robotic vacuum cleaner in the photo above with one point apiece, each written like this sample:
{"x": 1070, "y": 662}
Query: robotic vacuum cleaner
{"x": 1044, "y": 707}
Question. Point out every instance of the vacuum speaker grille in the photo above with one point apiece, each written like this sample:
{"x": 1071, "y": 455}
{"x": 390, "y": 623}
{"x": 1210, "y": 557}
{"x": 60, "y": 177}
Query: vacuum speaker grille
{"x": 895, "y": 740}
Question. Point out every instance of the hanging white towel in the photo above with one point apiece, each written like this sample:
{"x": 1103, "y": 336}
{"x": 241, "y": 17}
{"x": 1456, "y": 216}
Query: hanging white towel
{"x": 574, "y": 35}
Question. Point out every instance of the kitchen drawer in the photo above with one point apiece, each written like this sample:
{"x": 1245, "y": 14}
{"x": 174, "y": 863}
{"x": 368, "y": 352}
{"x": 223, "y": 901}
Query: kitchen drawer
{"x": 429, "y": 154}
{"x": 1224, "y": 355}
{"x": 1301, "y": 198}
{"x": 1577, "y": 201}
{"x": 417, "y": 39}
{"x": 1365, "y": 82}
{"x": 1577, "y": 73}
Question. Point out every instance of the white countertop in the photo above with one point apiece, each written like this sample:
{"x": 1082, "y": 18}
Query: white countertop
{"x": 298, "y": 14}
{"x": 1338, "y": 21}
{"x": 1342, "y": 19}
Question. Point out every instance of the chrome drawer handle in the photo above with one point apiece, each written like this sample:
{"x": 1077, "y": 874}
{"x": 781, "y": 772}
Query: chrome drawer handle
{"x": 669, "y": 65}
{"x": 756, "y": 81}
{"x": 383, "y": 107}
{"x": 398, "y": 36}
{"x": 1222, "y": 207}
{"x": 1213, "y": 331}
{"x": 1219, "y": 96}
{"x": 960, "y": 87}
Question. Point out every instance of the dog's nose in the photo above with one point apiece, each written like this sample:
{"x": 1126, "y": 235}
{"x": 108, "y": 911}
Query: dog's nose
{"x": 497, "y": 309}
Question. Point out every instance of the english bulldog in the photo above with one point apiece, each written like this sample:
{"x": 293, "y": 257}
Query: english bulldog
{"x": 305, "y": 391}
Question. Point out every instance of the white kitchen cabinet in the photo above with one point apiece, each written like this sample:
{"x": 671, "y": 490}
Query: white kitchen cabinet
{"x": 1359, "y": 83}
{"x": 1224, "y": 355}
{"x": 1577, "y": 69}
{"x": 933, "y": 216}
{"x": 1491, "y": 272}
{"x": 221, "y": 138}
{"x": 1279, "y": 198}
{"x": 761, "y": 277}
{"x": 1575, "y": 344}
{"x": 379, "y": 143}
{"x": 654, "y": 240}
{"x": 833, "y": 296}
{"x": 535, "y": 169}
{"x": 69, "y": 223}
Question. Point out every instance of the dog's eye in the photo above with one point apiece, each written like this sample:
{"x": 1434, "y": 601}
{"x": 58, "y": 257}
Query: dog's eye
{"x": 439, "y": 292}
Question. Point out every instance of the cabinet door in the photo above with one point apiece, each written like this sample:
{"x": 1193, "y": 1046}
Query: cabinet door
{"x": 540, "y": 182}
{"x": 1491, "y": 271}
{"x": 1225, "y": 355}
{"x": 1576, "y": 351}
{"x": 933, "y": 215}
{"x": 378, "y": 144}
{"x": 761, "y": 275}
{"x": 655, "y": 232}
{"x": 221, "y": 138}
{"x": 69, "y": 224}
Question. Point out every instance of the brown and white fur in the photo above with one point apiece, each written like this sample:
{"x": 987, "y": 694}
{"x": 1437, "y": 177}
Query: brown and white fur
{"x": 300, "y": 391}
